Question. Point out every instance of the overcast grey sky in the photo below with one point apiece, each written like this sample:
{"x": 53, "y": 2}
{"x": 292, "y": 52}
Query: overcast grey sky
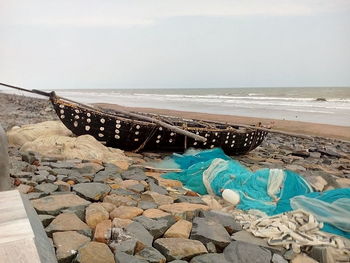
{"x": 174, "y": 43}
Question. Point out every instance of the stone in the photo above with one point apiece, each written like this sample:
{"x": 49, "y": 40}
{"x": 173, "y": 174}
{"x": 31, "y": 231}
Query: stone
{"x": 106, "y": 175}
{"x": 179, "y": 248}
{"x": 151, "y": 255}
{"x": 121, "y": 257}
{"x": 181, "y": 229}
{"x": 24, "y": 189}
{"x": 138, "y": 188}
{"x": 46, "y": 188}
{"x": 126, "y": 246}
{"x": 244, "y": 252}
{"x": 302, "y": 258}
{"x": 121, "y": 223}
{"x": 315, "y": 155}
{"x": 29, "y": 157}
{"x": 222, "y": 218}
{"x": 156, "y": 227}
{"x": 178, "y": 261}
{"x": 317, "y": 182}
{"x": 190, "y": 199}
{"x": 33, "y": 195}
{"x": 211, "y": 202}
{"x": 185, "y": 211}
{"x": 153, "y": 187}
{"x": 103, "y": 231}
{"x": 92, "y": 191}
{"x": 108, "y": 206}
{"x": 134, "y": 174}
{"x": 143, "y": 237}
{"x": 206, "y": 231}
{"x": 119, "y": 200}
{"x": 245, "y": 236}
{"x": 46, "y": 219}
{"x": 95, "y": 252}
{"x": 95, "y": 213}
{"x": 211, "y": 247}
{"x": 156, "y": 198}
{"x": 209, "y": 258}
{"x": 323, "y": 254}
{"x": 79, "y": 211}
{"x": 39, "y": 178}
{"x": 146, "y": 205}
{"x": 88, "y": 168}
{"x": 276, "y": 258}
{"x": 343, "y": 182}
{"x": 164, "y": 182}
{"x": 51, "y": 178}
{"x": 53, "y": 204}
{"x": 126, "y": 212}
{"x": 125, "y": 192}
{"x": 63, "y": 186}
{"x": 67, "y": 244}
{"x": 295, "y": 167}
{"x": 68, "y": 222}
{"x": 155, "y": 213}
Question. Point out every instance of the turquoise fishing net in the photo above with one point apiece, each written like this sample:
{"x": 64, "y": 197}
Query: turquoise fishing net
{"x": 267, "y": 190}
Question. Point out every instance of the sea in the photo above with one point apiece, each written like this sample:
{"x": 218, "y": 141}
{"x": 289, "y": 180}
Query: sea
{"x": 328, "y": 105}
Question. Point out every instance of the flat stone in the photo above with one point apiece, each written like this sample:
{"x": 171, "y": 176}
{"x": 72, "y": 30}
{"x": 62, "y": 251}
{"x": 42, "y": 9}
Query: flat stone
{"x": 127, "y": 246}
{"x": 68, "y": 222}
{"x": 138, "y": 188}
{"x": 153, "y": 187}
{"x": 21, "y": 174}
{"x": 88, "y": 168}
{"x": 92, "y": 191}
{"x": 222, "y": 218}
{"x": 141, "y": 234}
{"x": 190, "y": 199}
{"x": 276, "y": 258}
{"x": 125, "y": 192}
{"x": 134, "y": 174}
{"x": 104, "y": 176}
{"x": 302, "y": 258}
{"x": 119, "y": 200}
{"x": 343, "y": 182}
{"x": 34, "y": 195}
{"x": 181, "y": 229}
{"x": 155, "y": 213}
{"x": 164, "y": 182}
{"x": 108, "y": 206}
{"x": 206, "y": 231}
{"x": 79, "y": 211}
{"x": 121, "y": 223}
{"x": 67, "y": 244}
{"x": 211, "y": 202}
{"x": 121, "y": 257}
{"x": 209, "y": 258}
{"x": 151, "y": 255}
{"x": 47, "y": 188}
{"x": 63, "y": 186}
{"x": 95, "y": 252}
{"x": 317, "y": 182}
{"x": 247, "y": 237}
{"x": 103, "y": 231}
{"x": 39, "y": 178}
{"x": 126, "y": 212}
{"x": 46, "y": 219}
{"x": 62, "y": 164}
{"x": 185, "y": 211}
{"x": 244, "y": 252}
{"x": 25, "y": 189}
{"x": 146, "y": 205}
{"x": 295, "y": 167}
{"x": 156, "y": 227}
{"x": 156, "y": 198}
{"x": 53, "y": 204}
{"x": 178, "y": 261}
{"x": 179, "y": 248}
{"x": 95, "y": 213}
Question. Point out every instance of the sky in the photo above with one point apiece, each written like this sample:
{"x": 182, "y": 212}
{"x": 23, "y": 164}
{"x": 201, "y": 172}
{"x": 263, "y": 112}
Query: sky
{"x": 174, "y": 43}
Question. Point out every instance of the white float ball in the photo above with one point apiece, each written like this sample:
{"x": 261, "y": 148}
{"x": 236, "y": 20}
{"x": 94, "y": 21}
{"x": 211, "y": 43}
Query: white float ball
{"x": 231, "y": 196}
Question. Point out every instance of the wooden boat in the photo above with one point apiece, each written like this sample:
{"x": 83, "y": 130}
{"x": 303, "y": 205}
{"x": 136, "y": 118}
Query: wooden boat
{"x": 149, "y": 132}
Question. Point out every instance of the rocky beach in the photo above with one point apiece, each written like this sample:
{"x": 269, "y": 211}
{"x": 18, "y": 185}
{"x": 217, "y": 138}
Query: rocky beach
{"x": 106, "y": 210}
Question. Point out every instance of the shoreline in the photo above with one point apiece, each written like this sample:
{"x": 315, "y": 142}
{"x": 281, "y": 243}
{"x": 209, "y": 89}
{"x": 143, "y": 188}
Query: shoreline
{"x": 326, "y": 131}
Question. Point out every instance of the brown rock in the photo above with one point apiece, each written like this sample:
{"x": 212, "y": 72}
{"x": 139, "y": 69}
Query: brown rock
{"x": 24, "y": 189}
{"x": 121, "y": 223}
{"x": 95, "y": 213}
{"x": 119, "y": 200}
{"x": 95, "y": 252}
{"x": 67, "y": 243}
{"x": 155, "y": 213}
{"x": 164, "y": 182}
{"x": 180, "y": 229}
{"x": 343, "y": 182}
{"x": 108, "y": 206}
{"x": 54, "y": 203}
{"x": 185, "y": 211}
{"x": 157, "y": 198}
{"x": 128, "y": 183}
{"x": 63, "y": 186}
{"x": 103, "y": 231}
{"x": 126, "y": 212}
{"x": 68, "y": 222}
{"x": 179, "y": 248}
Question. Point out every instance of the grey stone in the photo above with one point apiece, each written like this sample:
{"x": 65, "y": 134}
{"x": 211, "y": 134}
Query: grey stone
{"x": 156, "y": 227}
{"x": 209, "y": 258}
{"x": 63, "y": 171}
{"x": 156, "y": 188}
{"x": 51, "y": 178}
{"x": 122, "y": 257}
{"x": 247, "y": 237}
{"x": 140, "y": 233}
{"x": 46, "y": 188}
{"x": 322, "y": 254}
{"x": 79, "y": 211}
{"x": 42, "y": 172}
{"x": 39, "y": 178}
{"x": 276, "y": 258}
{"x": 134, "y": 174}
{"x": 92, "y": 191}
{"x": 242, "y": 252}
{"x": 222, "y": 218}
{"x": 32, "y": 196}
{"x": 62, "y": 165}
{"x": 190, "y": 199}
{"x": 22, "y": 175}
{"x": 207, "y": 231}
{"x": 290, "y": 254}
{"x": 295, "y": 167}
{"x": 211, "y": 247}
{"x": 138, "y": 188}
{"x": 147, "y": 205}
{"x": 126, "y": 246}
{"x": 178, "y": 261}
{"x": 151, "y": 255}
{"x": 103, "y": 176}
{"x": 46, "y": 219}
{"x": 29, "y": 157}
{"x": 315, "y": 155}
{"x": 124, "y": 192}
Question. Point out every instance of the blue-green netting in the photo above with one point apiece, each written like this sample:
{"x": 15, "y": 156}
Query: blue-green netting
{"x": 253, "y": 188}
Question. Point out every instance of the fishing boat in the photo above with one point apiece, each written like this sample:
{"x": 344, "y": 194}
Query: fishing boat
{"x": 134, "y": 131}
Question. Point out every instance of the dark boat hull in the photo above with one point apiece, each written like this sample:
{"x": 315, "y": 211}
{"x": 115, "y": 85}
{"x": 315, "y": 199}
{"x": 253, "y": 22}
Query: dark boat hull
{"x": 120, "y": 131}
